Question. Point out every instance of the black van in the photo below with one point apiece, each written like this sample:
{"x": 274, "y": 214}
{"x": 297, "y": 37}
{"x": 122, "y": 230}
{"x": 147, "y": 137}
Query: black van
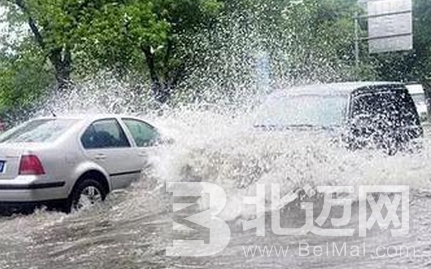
{"x": 365, "y": 114}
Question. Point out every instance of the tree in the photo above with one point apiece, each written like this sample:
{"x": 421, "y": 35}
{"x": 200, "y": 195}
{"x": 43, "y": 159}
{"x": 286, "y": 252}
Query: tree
{"x": 322, "y": 39}
{"x": 145, "y": 36}
{"x": 120, "y": 35}
{"x": 217, "y": 43}
{"x": 24, "y": 77}
{"x": 51, "y": 37}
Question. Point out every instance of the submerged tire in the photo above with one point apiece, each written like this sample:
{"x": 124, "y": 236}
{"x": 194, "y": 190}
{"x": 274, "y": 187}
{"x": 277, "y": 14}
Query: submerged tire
{"x": 85, "y": 192}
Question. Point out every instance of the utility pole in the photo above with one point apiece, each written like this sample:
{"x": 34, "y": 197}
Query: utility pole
{"x": 357, "y": 41}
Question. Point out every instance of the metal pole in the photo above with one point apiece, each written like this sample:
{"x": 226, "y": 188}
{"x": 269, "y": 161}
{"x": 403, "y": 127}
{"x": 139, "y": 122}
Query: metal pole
{"x": 356, "y": 41}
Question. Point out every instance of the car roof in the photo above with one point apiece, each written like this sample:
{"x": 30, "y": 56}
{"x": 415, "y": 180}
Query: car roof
{"x": 344, "y": 88}
{"x": 88, "y": 117}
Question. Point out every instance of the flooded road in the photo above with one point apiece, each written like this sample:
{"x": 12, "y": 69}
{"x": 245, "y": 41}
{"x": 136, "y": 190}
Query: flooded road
{"x": 134, "y": 226}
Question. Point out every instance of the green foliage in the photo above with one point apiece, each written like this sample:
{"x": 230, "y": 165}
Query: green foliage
{"x": 322, "y": 38}
{"x": 24, "y": 77}
{"x": 141, "y": 35}
{"x": 197, "y": 44}
{"x": 138, "y": 36}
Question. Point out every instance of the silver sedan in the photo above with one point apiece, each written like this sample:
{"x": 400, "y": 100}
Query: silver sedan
{"x": 68, "y": 161}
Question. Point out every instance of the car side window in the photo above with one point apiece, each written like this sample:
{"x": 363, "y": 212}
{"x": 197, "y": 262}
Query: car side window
{"x": 104, "y": 134}
{"x": 143, "y": 133}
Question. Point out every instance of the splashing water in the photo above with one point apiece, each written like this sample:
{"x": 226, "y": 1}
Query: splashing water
{"x": 224, "y": 148}
{"x": 213, "y": 145}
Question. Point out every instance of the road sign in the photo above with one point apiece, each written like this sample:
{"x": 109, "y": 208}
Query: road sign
{"x": 389, "y": 25}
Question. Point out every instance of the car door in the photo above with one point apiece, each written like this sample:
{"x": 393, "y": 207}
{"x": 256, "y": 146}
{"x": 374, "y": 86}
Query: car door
{"x": 144, "y": 135}
{"x": 106, "y": 143}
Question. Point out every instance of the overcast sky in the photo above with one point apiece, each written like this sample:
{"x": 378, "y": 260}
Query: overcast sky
{"x": 2, "y": 17}
{"x": 3, "y": 25}
{"x": 4, "y": 35}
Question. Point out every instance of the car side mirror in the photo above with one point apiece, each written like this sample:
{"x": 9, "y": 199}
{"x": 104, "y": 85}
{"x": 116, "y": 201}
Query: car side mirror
{"x": 165, "y": 141}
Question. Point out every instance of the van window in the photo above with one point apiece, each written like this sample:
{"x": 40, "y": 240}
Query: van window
{"x": 395, "y": 108}
{"x": 298, "y": 110}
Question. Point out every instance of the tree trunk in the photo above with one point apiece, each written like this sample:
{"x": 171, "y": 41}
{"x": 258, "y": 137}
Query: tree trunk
{"x": 61, "y": 59}
{"x": 161, "y": 90}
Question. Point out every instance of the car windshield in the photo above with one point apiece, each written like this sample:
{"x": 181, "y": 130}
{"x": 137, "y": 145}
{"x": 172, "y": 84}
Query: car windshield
{"x": 41, "y": 130}
{"x": 303, "y": 110}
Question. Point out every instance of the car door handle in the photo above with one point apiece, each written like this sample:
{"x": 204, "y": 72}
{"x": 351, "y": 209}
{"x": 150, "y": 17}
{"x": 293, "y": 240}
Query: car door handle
{"x": 100, "y": 156}
{"x": 143, "y": 154}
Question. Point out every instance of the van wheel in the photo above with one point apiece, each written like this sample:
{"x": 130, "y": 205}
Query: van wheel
{"x": 86, "y": 193}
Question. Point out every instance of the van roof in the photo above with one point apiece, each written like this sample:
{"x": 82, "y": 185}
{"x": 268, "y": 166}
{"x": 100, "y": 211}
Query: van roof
{"x": 344, "y": 88}
{"x": 415, "y": 88}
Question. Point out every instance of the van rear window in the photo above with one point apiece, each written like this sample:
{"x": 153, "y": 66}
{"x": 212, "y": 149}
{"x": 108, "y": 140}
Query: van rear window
{"x": 396, "y": 107}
